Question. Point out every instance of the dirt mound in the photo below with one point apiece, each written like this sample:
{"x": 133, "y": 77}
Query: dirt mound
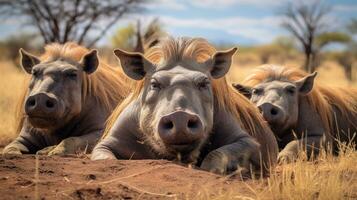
{"x": 80, "y": 178}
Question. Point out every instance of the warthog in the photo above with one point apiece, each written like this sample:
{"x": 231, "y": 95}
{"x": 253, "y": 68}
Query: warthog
{"x": 183, "y": 108}
{"x": 303, "y": 115}
{"x": 70, "y": 95}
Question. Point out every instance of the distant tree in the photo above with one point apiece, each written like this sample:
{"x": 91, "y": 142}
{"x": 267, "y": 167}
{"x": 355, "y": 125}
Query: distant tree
{"x": 348, "y": 57}
{"x": 124, "y": 38}
{"x": 305, "y": 20}
{"x": 83, "y": 21}
{"x": 10, "y": 46}
{"x": 324, "y": 39}
{"x": 287, "y": 46}
{"x": 281, "y": 48}
{"x": 136, "y": 38}
{"x": 267, "y": 51}
{"x": 287, "y": 43}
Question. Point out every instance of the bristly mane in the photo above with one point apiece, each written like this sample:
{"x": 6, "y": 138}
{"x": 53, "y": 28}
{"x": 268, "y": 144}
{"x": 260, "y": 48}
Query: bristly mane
{"x": 107, "y": 84}
{"x": 172, "y": 50}
{"x": 321, "y": 98}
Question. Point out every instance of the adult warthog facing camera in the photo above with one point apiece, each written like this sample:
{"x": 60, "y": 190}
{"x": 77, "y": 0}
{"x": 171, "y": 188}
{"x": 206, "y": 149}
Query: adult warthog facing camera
{"x": 183, "y": 108}
{"x": 69, "y": 96}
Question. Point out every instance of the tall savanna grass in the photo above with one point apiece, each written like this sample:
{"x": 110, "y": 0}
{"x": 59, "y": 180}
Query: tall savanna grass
{"x": 328, "y": 177}
{"x": 11, "y": 83}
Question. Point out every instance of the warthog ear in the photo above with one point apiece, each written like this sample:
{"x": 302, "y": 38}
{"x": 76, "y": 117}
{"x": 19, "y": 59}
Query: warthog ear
{"x": 306, "y": 84}
{"x": 221, "y": 62}
{"x": 245, "y": 90}
{"x": 28, "y": 60}
{"x": 90, "y": 62}
{"x": 134, "y": 65}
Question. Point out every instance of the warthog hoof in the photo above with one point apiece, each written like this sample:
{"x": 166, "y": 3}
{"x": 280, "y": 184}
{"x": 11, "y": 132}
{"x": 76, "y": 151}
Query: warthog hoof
{"x": 11, "y": 150}
{"x": 220, "y": 163}
{"x": 286, "y": 157}
{"x": 67, "y": 146}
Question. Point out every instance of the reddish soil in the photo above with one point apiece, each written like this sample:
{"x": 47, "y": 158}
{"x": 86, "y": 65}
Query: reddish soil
{"x": 72, "y": 177}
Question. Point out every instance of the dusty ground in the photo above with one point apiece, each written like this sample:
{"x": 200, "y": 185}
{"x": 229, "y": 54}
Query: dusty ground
{"x": 76, "y": 177}
{"x": 80, "y": 178}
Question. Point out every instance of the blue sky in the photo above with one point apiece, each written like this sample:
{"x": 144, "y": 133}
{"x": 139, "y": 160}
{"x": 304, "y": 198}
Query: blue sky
{"x": 242, "y": 22}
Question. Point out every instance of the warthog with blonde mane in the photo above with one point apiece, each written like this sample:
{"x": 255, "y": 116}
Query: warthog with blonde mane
{"x": 69, "y": 96}
{"x": 183, "y": 108}
{"x": 303, "y": 115}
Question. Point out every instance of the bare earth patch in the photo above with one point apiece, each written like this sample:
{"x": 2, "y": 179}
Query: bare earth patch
{"x": 74, "y": 177}
{"x": 80, "y": 178}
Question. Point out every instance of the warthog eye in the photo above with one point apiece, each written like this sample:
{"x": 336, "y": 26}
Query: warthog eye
{"x": 35, "y": 73}
{"x": 71, "y": 75}
{"x": 257, "y": 91}
{"x": 155, "y": 85}
{"x": 202, "y": 85}
{"x": 290, "y": 90}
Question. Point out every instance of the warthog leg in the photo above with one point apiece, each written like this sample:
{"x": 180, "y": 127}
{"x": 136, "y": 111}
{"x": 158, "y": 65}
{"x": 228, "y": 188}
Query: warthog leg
{"x": 236, "y": 156}
{"x": 309, "y": 144}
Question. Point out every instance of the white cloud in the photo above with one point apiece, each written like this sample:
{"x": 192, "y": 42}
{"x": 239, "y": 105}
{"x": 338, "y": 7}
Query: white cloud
{"x": 260, "y": 30}
{"x": 227, "y": 3}
{"x": 260, "y": 35}
{"x": 213, "y": 3}
{"x": 14, "y": 21}
{"x": 222, "y": 23}
{"x": 166, "y": 4}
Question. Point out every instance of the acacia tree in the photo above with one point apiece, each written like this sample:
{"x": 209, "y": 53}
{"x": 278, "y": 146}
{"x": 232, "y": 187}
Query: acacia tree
{"x": 348, "y": 57}
{"x": 323, "y": 40}
{"x": 305, "y": 21}
{"x": 83, "y": 21}
{"x": 124, "y": 38}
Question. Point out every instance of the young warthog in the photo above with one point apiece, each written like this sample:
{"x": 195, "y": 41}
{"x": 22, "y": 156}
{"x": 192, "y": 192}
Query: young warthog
{"x": 184, "y": 109}
{"x": 70, "y": 95}
{"x": 303, "y": 115}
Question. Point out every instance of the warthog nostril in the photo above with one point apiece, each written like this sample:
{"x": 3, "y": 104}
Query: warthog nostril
{"x": 192, "y": 123}
{"x": 168, "y": 125}
{"x": 274, "y": 111}
{"x": 31, "y": 102}
{"x": 49, "y": 104}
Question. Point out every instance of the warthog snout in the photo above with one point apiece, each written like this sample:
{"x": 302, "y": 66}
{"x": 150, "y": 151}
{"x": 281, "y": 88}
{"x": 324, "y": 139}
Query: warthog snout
{"x": 41, "y": 105}
{"x": 271, "y": 113}
{"x": 180, "y": 128}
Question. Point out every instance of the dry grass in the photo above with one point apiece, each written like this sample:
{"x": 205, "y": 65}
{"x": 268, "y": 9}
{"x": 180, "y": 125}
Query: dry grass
{"x": 327, "y": 178}
{"x": 11, "y": 81}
